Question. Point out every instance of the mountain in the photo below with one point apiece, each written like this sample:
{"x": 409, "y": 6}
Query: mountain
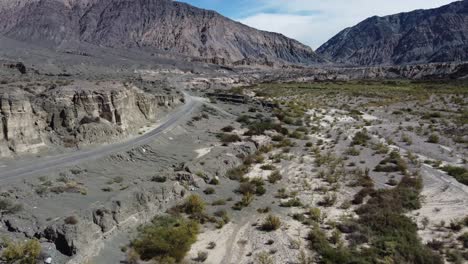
{"x": 153, "y": 25}
{"x": 421, "y": 36}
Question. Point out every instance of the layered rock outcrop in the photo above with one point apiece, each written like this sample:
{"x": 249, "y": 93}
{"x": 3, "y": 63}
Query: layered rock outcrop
{"x": 73, "y": 115}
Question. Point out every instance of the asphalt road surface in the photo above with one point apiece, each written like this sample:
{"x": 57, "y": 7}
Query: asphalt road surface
{"x": 73, "y": 158}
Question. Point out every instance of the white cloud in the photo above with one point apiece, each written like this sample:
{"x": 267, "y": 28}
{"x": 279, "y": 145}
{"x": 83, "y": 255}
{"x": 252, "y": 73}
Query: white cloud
{"x": 324, "y": 18}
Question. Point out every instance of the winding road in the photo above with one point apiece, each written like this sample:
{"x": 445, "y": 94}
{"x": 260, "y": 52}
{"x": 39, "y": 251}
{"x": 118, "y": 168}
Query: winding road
{"x": 53, "y": 162}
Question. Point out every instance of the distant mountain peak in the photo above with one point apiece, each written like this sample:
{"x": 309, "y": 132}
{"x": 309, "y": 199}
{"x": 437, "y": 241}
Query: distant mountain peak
{"x": 420, "y": 36}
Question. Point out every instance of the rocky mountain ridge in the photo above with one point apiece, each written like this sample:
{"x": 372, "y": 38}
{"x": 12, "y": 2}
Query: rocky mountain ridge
{"x": 162, "y": 25}
{"x": 421, "y": 36}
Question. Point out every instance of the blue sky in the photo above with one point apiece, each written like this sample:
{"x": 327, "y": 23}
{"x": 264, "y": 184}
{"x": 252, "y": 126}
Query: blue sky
{"x": 310, "y": 21}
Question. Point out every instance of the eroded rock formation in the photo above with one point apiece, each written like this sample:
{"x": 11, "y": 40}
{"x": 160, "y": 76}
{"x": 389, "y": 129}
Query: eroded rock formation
{"x": 77, "y": 114}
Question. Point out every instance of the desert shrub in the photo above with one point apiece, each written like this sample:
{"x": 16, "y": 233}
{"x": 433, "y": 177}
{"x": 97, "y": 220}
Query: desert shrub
{"x": 166, "y": 236}
{"x": 244, "y": 202}
{"x": 71, "y": 220}
{"x": 459, "y": 173}
{"x": 393, "y": 163}
{"x": 435, "y": 244}
{"x": 219, "y": 202}
{"x": 297, "y": 135}
{"x": 267, "y": 167}
{"x": 433, "y": 138}
{"x": 384, "y": 218}
{"x": 352, "y": 151}
{"x": 363, "y": 193}
{"x": 293, "y": 202}
{"x": 299, "y": 217}
{"x": 274, "y": 177}
{"x": 214, "y": 181}
{"x": 454, "y": 256}
{"x": 237, "y": 173}
{"x": 263, "y": 258}
{"x": 24, "y": 252}
{"x": 259, "y": 128}
{"x": 8, "y": 207}
{"x": 194, "y": 204}
{"x": 209, "y": 190}
{"x": 229, "y": 138}
{"x": 318, "y": 241}
{"x": 211, "y": 245}
{"x": 224, "y": 218}
{"x": 360, "y": 138}
{"x": 244, "y": 119}
{"x": 227, "y": 129}
{"x": 277, "y": 138}
{"x": 328, "y": 200}
{"x": 246, "y": 187}
{"x": 464, "y": 239}
{"x": 159, "y": 179}
{"x": 271, "y": 223}
{"x": 264, "y": 210}
{"x": 254, "y": 186}
{"x": 201, "y": 256}
{"x": 315, "y": 214}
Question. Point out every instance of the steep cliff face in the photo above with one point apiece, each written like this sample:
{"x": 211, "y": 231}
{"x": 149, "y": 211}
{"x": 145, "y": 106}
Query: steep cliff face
{"x": 18, "y": 126}
{"x": 421, "y": 36}
{"x": 77, "y": 114}
{"x": 163, "y": 25}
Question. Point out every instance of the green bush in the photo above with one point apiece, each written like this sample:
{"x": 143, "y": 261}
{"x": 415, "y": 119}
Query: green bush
{"x": 166, "y": 237}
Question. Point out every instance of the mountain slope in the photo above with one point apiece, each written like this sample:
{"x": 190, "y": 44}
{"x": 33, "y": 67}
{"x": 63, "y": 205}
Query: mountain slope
{"x": 421, "y": 36}
{"x": 146, "y": 24}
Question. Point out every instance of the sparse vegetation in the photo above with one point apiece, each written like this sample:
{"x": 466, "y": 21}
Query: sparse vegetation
{"x": 271, "y": 223}
{"x": 459, "y": 173}
{"x": 22, "y": 252}
{"x": 193, "y": 205}
{"x": 166, "y": 237}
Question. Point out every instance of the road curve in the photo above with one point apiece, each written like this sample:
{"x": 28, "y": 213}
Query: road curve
{"x": 72, "y": 158}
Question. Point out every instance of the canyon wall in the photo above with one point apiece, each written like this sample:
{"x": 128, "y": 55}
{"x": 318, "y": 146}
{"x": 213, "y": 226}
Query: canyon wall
{"x": 76, "y": 114}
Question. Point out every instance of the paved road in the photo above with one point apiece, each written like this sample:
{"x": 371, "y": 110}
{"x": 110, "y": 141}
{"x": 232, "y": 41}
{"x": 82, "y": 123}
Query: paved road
{"x": 67, "y": 159}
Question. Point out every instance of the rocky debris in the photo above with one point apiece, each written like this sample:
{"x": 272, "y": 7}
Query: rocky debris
{"x": 159, "y": 25}
{"x": 19, "y": 66}
{"x": 218, "y": 161}
{"x": 421, "y": 36}
{"x": 414, "y": 72}
{"x": 79, "y": 235}
{"x": 76, "y": 114}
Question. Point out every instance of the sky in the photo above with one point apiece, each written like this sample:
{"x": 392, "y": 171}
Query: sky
{"x": 312, "y": 22}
